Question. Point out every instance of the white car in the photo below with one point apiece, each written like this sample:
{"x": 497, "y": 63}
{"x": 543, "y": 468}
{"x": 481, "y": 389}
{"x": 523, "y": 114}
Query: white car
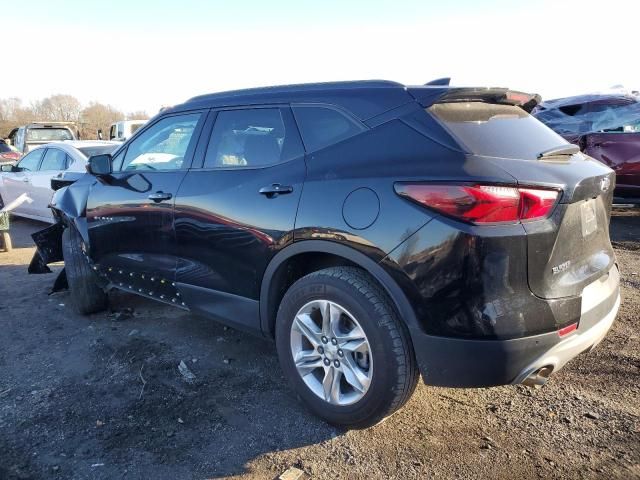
{"x": 25, "y": 189}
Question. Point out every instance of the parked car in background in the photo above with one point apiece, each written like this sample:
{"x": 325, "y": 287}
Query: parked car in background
{"x": 122, "y": 130}
{"x": 32, "y": 176}
{"x": 27, "y": 137}
{"x": 605, "y": 127}
{"x": 7, "y": 154}
{"x": 375, "y": 231}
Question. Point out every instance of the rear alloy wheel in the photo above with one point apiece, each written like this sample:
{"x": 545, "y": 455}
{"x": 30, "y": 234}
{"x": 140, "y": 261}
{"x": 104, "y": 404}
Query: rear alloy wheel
{"x": 331, "y": 352}
{"x": 343, "y": 347}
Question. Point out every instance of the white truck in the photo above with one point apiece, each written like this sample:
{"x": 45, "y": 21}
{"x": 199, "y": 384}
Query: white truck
{"x": 33, "y": 134}
{"x": 122, "y": 130}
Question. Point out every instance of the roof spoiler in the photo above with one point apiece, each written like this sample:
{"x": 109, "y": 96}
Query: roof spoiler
{"x": 444, "y": 81}
{"x": 438, "y": 93}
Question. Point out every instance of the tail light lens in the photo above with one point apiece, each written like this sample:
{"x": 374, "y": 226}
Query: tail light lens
{"x": 10, "y": 155}
{"x": 482, "y": 204}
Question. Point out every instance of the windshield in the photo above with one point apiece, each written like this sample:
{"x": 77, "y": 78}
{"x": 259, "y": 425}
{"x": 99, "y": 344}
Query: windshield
{"x": 503, "y": 131}
{"x": 100, "y": 150}
{"x": 48, "y": 134}
{"x": 4, "y": 148}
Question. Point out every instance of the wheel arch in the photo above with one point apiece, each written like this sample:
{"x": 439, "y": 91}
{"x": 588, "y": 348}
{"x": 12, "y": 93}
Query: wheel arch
{"x": 275, "y": 274}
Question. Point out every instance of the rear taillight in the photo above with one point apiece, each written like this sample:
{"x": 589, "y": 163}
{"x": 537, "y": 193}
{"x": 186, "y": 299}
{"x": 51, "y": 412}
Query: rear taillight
{"x": 482, "y": 203}
{"x": 10, "y": 155}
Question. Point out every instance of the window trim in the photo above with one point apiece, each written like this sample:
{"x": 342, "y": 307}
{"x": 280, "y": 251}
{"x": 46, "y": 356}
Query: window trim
{"x": 350, "y": 116}
{"x": 289, "y": 124}
{"x": 191, "y": 149}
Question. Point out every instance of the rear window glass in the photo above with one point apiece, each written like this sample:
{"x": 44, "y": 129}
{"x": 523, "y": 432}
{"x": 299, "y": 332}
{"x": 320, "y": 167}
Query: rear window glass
{"x": 496, "y": 130}
{"x": 254, "y": 137}
{"x": 323, "y": 126}
{"x": 48, "y": 134}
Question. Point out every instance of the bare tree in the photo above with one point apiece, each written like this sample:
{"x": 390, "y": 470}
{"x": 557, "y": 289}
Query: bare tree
{"x": 64, "y": 108}
{"x": 138, "y": 115}
{"x": 98, "y": 116}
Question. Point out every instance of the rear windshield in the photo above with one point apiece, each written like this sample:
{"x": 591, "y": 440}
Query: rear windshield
{"x": 492, "y": 130}
{"x": 48, "y": 134}
{"x": 4, "y": 148}
{"x": 101, "y": 150}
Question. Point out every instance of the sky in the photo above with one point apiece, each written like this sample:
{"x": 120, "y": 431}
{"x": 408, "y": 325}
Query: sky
{"x": 141, "y": 55}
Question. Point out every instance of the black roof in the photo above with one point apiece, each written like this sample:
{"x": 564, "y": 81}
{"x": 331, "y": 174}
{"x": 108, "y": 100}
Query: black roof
{"x": 365, "y": 98}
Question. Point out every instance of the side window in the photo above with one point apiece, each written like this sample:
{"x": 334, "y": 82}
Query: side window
{"x": 255, "y": 137}
{"x": 323, "y": 126}
{"x": 162, "y": 146}
{"x": 54, "y": 159}
{"x": 29, "y": 162}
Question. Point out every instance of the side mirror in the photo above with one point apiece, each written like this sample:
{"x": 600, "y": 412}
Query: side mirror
{"x": 99, "y": 165}
{"x": 7, "y": 168}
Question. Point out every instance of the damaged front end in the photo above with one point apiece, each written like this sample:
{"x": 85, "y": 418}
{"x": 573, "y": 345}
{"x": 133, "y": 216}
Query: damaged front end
{"x": 68, "y": 206}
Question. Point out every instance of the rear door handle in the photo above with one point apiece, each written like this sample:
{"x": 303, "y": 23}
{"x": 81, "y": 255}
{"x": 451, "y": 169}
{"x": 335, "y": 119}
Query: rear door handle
{"x": 275, "y": 189}
{"x": 159, "y": 196}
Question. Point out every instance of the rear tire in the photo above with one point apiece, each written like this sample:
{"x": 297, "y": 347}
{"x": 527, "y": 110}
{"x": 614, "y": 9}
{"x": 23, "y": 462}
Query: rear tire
{"x": 86, "y": 294}
{"x": 388, "y": 368}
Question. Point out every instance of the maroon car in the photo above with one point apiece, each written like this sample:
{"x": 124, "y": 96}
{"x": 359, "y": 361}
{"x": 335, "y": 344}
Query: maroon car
{"x": 605, "y": 127}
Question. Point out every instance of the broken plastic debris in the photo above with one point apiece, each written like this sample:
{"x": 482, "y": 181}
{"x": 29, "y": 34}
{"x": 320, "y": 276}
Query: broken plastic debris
{"x": 186, "y": 373}
{"x": 17, "y": 202}
{"x": 293, "y": 473}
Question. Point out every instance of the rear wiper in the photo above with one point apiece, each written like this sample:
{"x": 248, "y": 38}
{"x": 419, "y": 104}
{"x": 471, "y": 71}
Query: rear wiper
{"x": 559, "y": 151}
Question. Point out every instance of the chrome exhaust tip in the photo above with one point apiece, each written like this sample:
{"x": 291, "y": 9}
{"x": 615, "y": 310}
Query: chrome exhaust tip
{"x": 538, "y": 378}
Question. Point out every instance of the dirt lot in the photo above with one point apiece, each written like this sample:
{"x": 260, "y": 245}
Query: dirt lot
{"x": 101, "y": 397}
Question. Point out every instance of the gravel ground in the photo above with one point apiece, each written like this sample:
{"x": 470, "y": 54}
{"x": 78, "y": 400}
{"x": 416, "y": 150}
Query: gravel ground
{"x": 102, "y": 397}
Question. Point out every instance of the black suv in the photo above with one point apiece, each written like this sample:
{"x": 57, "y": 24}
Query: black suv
{"x": 375, "y": 231}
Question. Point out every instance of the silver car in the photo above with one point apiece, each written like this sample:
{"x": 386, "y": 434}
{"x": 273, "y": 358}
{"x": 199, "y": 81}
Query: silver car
{"x": 25, "y": 189}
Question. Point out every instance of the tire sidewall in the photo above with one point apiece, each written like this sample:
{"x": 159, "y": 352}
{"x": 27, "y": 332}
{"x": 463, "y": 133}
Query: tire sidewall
{"x": 371, "y": 319}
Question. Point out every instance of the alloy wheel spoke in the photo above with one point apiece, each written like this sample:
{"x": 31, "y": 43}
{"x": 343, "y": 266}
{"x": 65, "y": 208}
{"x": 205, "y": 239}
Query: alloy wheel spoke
{"x": 352, "y": 341}
{"x": 304, "y": 323}
{"x": 354, "y": 375}
{"x": 308, "y": 360}
{"x": 331, "y": 385}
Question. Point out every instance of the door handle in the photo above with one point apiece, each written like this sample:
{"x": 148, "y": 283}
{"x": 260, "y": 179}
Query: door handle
{"x": 26, "y": 180}
{"x": 275, "y": 189}
{"x": 159, "y": 196}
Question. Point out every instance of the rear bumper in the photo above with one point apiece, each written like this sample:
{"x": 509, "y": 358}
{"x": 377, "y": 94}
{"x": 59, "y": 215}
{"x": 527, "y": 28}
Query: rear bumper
{"x": 453, "y": 362}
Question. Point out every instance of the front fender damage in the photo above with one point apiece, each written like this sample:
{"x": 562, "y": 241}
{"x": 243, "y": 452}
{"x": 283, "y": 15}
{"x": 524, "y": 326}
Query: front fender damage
{"x": 68, "y": 205}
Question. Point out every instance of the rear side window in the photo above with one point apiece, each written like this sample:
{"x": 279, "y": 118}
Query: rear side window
{"x": 255, "y": 137}
{"x": 54, "y": 159}
{"x": 323, "y": 126}
{"x": 503, "y": 131}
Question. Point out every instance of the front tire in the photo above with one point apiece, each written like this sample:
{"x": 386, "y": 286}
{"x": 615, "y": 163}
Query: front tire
{"x": 86, "y": 295}
{"x": 343, "y": 347}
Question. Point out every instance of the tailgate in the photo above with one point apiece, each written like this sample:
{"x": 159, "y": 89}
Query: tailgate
{"x": 572, "y": 248}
